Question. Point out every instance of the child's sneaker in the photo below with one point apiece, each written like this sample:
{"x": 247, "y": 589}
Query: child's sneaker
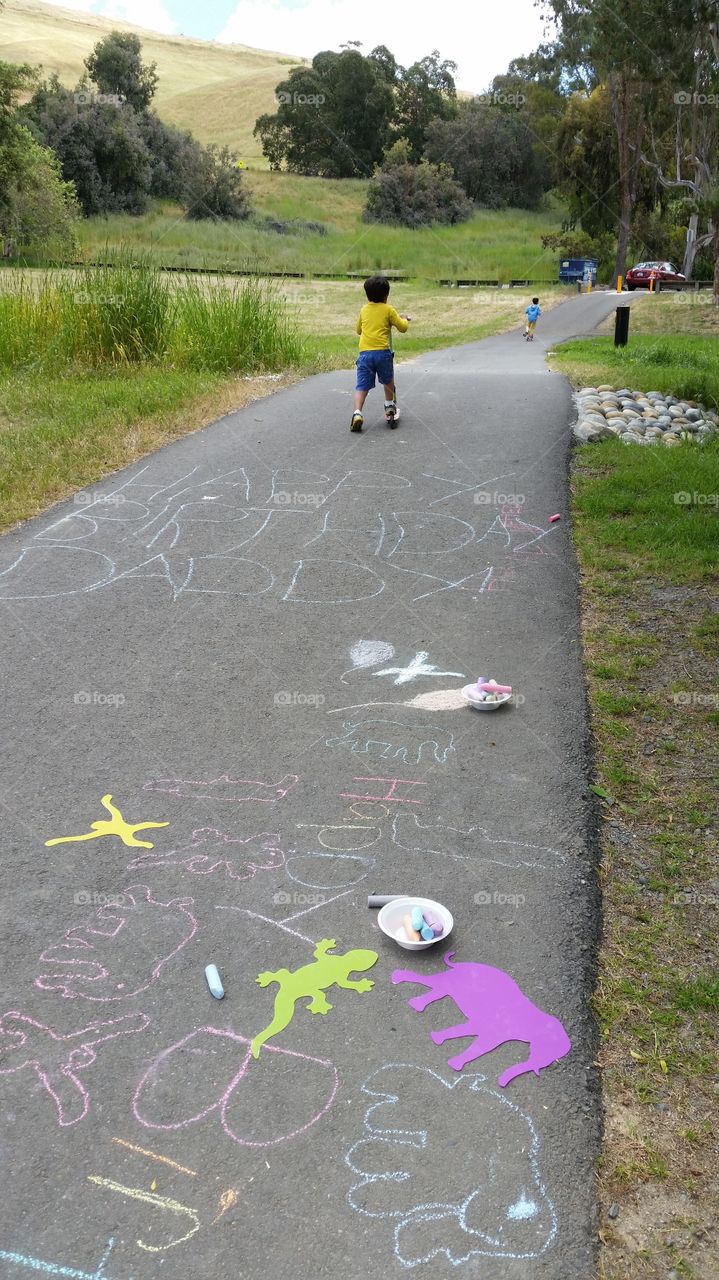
{"x": 391, "y": 412}
{"x": 357, "y": 422}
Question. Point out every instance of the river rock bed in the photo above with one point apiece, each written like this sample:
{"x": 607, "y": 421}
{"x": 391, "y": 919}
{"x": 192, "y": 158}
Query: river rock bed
{"x": 641, "y": 417}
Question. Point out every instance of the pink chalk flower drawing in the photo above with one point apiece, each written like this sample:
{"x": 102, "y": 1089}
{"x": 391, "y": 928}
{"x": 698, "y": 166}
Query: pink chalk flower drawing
{"x": 452, "y": 1166}
{"x": 27, "y": 1045}
{"x": 121, "y": 951}
{"x": 209, "y": 850}
{"x": 496, "y": 1012}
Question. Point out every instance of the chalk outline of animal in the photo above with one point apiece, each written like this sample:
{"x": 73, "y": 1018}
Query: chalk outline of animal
{"x": 313, "y": 980}
{"x": 172, "y": 787}
{"x": 68, "y": 961}
{"x": 426, "y": 839}
{"x": 387, "y": 1132}
{"x": 548, "y": 1029}
{"x": 391, "y": 752}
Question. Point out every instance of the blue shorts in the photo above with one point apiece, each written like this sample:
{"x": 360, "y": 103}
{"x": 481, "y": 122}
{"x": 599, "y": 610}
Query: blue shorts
{"x": 374, "y": 364}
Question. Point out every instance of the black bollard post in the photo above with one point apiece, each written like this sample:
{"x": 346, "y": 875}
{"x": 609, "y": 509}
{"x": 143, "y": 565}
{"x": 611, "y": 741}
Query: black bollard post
{"x": 621, "y": 327}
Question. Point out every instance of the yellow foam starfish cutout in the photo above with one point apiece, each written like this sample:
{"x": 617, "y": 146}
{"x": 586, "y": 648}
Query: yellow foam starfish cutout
{"x": 114, "y": 826}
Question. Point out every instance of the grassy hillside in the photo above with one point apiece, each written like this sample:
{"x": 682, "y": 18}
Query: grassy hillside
{"x": 503, "y": 244}
{"x": 216, "y": 90}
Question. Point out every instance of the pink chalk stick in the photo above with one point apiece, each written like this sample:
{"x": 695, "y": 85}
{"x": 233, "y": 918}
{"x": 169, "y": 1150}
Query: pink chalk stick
{"x": 491, "y": 686}
{"x": 553, "y": 519}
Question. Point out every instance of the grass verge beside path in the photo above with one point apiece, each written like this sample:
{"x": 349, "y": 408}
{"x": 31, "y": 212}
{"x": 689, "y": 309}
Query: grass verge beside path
{"x": 650, "y": 615}
{"x": 59, "y": 434}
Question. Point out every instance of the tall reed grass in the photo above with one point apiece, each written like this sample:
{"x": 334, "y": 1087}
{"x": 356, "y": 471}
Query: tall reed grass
{"x": 130, "y": 313}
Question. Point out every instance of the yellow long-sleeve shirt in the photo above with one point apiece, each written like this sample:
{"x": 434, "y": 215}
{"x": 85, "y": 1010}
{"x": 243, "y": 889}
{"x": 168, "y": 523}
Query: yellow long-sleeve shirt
{"x": 375, "y": 323}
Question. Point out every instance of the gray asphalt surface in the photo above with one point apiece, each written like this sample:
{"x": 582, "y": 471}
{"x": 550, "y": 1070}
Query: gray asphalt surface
{"x": 194, "y": 638}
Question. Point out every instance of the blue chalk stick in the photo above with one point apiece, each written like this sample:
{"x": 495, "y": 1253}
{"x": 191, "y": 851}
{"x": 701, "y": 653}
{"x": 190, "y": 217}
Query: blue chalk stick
{"x": 417, "y": 920}
{"x": 214, "y": 981}
{"x": 427, "y": 932}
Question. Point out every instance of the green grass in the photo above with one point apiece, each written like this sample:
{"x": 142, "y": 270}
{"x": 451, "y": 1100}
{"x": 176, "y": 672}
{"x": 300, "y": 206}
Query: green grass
{"x": 133, "y": 312}
{"x": 59, "y": 433}
{"x": 493, "y": 245}
{"x": 685, "y": 365}
{"x": 650, "y": 569}
{"x": 628, "y": 516}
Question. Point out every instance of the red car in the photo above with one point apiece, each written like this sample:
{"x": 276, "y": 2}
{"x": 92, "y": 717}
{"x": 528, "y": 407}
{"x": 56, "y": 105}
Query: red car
{"x": 663, "y": 273}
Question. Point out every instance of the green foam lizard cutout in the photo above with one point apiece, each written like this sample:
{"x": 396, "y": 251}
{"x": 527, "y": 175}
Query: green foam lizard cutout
{"x": 313, "y": 980}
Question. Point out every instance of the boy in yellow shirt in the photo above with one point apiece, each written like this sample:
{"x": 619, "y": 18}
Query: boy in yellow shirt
{"x": 376, "y": 358}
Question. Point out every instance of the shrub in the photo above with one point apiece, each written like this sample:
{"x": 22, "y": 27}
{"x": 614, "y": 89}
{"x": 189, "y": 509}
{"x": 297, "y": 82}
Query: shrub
{"x": 414, "y": 195}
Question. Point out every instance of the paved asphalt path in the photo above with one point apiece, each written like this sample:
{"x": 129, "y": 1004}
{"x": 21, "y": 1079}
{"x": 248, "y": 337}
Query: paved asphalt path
{"x": 236, "y": 638}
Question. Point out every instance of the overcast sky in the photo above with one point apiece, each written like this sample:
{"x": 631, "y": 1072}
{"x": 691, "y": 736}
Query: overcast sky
{"x": 481, "y": 36}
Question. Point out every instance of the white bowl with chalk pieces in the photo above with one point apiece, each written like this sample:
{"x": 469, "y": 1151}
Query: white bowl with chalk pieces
{"x": 484, "y": 704}
{"x": 391, "y": 916}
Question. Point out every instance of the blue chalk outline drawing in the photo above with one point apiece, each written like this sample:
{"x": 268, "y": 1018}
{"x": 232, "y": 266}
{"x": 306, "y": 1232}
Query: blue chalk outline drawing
{"x": 478, "y": 1242}
{"x": 393, "y": 740}
{"x": 56, "y": 1268}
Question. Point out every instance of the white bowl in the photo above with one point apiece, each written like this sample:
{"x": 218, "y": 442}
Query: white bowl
{"x": 470, "y": 693}
{"x": 390, "y": 917}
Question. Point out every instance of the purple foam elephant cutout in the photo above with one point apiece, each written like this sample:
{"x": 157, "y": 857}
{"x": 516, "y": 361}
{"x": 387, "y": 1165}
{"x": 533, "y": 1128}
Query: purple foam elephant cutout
{"x": 496, "y": 1011}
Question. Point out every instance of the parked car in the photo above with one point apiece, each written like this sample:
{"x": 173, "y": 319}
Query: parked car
{"x": 663, "y": 273}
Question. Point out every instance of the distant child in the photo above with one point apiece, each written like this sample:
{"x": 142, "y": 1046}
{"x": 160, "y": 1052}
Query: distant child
{"x": 376, "y": 358}
{"x": 532, "y": 313}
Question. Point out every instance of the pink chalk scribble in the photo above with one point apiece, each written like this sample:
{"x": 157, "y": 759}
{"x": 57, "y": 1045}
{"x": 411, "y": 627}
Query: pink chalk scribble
{"x": 117, "y": 957}
{"x": 55, "y": 1059}
{"x": 199, "y": 857}
{"x": 227, "y": 789}
{"x": 176, "y": 1080}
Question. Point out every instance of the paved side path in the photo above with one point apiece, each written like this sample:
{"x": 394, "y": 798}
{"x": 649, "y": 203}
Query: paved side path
{"x": 230, "y": 712}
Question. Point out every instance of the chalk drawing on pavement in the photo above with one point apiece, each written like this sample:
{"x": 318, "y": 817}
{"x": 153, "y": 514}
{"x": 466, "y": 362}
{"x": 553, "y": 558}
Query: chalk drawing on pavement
{"x": 328, "y": 870}
{"x": 293, "y": 1090}
{"x": 492, "y": 1202}
{"x": 209, "y": 851}
{"x": 225, "y": 788}
{"x": 120, "y": 952}
{"x": 472, "y": 844}
{"x": 392, "y": 740}
{"x": 57, "y": 1268}
{"x": 153, "y": 1155}
{"x": 163, "y": 1203}
{"x": 55, "y": 1060}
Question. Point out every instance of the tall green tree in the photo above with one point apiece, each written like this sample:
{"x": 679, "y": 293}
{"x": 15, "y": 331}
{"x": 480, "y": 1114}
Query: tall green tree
{"x": 425, "y": 91}
{"x": 682, "y": 146}
{"x": 116, "y": 67}
{"x": 627, "y": 45}
{"x": 100, "y": 147}
{"x": 332, "y": 118}
{"x": 492, "y": 153}
{"x": 14, "y": 80}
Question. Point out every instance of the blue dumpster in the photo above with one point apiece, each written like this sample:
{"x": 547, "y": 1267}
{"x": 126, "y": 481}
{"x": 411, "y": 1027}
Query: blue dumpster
{"x": 572, "y": 270}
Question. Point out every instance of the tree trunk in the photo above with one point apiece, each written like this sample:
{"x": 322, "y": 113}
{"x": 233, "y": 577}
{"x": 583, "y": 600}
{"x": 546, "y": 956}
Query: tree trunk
{"x": 690, "y": 251}
{"x": 628, "y": 109}
{"x": 625, "y": 225}
{"x": 716, "y": 263}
